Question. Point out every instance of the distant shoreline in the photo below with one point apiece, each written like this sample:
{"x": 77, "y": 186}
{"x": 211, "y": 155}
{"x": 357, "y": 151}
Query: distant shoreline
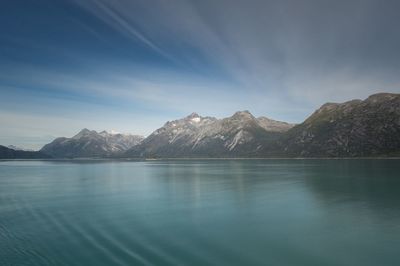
{"x": 203, "y": 159}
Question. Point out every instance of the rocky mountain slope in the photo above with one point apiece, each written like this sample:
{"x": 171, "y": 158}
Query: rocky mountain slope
{"x": 355, "y": 128}
{"x": 273, "y": 125}
{"x": 195, "y": 136}
{"x": 7, "y": 153}
{"x": 89, "y": 143}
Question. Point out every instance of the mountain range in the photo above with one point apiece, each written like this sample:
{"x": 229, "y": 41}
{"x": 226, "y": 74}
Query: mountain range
{"x": 352, "y": 129}
{"x": 89, "y": 143}
{"x": 195, "y": 136}
{"x": 7, "y": 153}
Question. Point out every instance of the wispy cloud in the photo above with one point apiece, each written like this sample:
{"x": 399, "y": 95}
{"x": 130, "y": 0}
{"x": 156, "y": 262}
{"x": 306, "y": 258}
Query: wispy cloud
{"x": 110, "y": 13}
{"x": 268, "y": 46}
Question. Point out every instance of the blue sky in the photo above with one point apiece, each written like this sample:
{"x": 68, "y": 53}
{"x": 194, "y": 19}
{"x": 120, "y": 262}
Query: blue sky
{"x": 132, "y": 65}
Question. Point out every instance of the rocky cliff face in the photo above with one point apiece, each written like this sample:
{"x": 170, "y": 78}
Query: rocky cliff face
{"x": 355, "y": 128}
{"x": 89, "y": 143}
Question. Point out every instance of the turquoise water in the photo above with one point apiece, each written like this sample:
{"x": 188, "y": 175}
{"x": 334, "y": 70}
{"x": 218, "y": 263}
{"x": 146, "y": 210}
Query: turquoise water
{"x": 217, "y": 212}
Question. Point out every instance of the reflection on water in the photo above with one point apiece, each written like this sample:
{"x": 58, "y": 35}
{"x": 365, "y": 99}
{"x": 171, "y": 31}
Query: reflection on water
{"x": 216, "y": 212}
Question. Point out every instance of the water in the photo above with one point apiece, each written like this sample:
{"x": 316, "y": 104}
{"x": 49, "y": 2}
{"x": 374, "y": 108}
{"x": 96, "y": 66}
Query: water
{"x": 216, "y": 212}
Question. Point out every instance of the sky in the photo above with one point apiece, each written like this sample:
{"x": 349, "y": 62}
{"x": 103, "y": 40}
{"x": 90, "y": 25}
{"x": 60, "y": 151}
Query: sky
{"x": 132, "y": 65}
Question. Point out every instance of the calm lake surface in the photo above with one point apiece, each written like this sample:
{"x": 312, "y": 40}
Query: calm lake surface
{"x": 210, "y": 212}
